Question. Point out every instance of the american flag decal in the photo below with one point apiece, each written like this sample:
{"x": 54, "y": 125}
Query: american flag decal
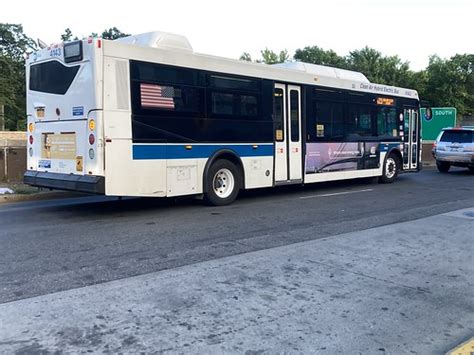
{"x": 156, "y": 96}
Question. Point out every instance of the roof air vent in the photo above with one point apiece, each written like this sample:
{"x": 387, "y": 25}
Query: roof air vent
{"x": 157, "y": 39}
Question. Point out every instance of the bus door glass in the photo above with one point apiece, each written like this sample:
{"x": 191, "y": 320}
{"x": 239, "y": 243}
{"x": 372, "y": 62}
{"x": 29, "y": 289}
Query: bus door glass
{"x": 287, "y": 133}
{"x": 410, "y": 139}
{"x": 414, "y": 139}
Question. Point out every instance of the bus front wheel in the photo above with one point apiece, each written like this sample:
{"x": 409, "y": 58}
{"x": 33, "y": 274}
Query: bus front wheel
{"x": 391, "y": 168}
{"x": 223, "y": 183}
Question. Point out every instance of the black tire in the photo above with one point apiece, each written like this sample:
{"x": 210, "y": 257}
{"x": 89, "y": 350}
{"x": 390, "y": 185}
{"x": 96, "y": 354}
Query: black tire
{"x": 220, "y": 190}
{"x": 443, "y": 167}
{"x": 391, "y": 168}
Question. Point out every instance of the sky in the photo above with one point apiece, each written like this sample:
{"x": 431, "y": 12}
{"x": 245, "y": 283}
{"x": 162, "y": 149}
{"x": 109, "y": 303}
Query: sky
{"x": 411, "y": 29}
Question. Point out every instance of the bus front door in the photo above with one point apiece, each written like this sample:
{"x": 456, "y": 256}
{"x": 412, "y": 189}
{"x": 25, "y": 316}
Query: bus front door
{"x": 410, "y": 139}
{"x": 287, "y": 135}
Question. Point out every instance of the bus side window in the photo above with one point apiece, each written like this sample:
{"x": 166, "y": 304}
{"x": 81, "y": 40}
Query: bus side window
{"x": 248, "y": 105}
{"x": 222, "y": 103}
{"x": 233, "y": 104}
{"x": 323, "y": 113}
{"x": 359, "y": 122}
{"x": 387, "y": 124}
{"x": 329, "y": 121}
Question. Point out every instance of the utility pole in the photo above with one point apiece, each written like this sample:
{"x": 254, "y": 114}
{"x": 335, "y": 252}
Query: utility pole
{"x": 2, "y": 117}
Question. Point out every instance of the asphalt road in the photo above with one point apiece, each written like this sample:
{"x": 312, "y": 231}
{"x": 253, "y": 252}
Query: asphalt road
{"x": 57, "y": 245}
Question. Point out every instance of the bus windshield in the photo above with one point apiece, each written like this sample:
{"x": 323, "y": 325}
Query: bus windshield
{"x": 52, "y": 77}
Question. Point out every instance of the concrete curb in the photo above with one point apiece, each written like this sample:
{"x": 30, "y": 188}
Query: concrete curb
{"x": 50, "y": 195}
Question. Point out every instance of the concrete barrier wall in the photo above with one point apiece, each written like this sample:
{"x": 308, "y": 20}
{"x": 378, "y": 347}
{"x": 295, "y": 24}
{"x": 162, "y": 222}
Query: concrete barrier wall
{"x": 426, "y": 155}
{"x": 2, "y": 166}
{"x": 12, "y": 156}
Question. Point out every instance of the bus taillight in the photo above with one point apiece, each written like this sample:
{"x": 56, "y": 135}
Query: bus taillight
{"x": 31, "y": 139}
{"x": 91, "y": 139}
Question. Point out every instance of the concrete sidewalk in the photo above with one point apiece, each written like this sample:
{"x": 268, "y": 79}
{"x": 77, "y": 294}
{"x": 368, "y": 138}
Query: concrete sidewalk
{"x": 399, "y": 289}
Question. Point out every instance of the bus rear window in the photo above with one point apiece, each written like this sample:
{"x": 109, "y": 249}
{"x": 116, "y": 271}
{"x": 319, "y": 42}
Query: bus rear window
{"x": 457, "y": 136}
{"x": 52, "y": 77}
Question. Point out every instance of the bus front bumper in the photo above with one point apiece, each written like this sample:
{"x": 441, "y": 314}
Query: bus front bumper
{"x": 69, "y": 182}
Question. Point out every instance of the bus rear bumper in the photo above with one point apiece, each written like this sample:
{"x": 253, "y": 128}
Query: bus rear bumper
{"x": 69, "y": 182}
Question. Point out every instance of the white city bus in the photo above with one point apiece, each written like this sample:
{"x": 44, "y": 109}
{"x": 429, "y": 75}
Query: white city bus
{"x": 146, "y": 116}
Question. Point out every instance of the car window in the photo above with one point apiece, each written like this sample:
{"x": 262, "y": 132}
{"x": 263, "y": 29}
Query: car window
{"x": 457, "y": 136}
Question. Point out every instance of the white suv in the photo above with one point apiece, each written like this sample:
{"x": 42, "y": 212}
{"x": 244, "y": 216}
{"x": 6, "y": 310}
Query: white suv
{"x": 454, "y": 147}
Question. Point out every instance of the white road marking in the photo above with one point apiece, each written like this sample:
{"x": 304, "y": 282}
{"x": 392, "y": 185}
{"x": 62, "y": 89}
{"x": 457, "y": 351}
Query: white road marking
{"x": 337, "y": 193}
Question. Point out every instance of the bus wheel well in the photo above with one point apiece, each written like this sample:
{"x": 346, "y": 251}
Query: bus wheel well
{"x": 396, "y": 152}
{"x": 226, "y": 155}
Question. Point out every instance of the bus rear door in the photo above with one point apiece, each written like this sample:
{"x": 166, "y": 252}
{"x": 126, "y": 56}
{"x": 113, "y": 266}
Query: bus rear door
{"x": 288, "y": 146}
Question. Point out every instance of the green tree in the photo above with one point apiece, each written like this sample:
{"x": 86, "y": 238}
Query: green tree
{"x": 9, "y": 85}
{"x": 389, "y": 70}
{"x": 67, "y": 35}
{"x": 13, "y": 46}
{"x": 113, "y": 33}
{"x": 369, "y": 62}
{"x": 450, "y": 82}
{"x": 317, "y": 55}
{"x": 268, "y": 57}
{"x": 246, "y": 56}
{"x": 13, "y": 42}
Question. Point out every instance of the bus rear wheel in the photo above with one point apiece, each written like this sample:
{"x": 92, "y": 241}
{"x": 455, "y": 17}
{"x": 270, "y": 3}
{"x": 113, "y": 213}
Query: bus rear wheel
{"x": 391, "y": 168}
{"x": 223, "y": 183}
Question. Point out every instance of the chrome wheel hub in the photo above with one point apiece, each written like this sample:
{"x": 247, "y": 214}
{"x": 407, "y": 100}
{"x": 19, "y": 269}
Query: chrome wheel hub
{"x": 223, "y": 183}
{"x": 390, "y": 168}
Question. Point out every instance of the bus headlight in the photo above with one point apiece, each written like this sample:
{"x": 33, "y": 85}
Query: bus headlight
{"x": 31, "y": 127}
{"x": 91, "y": 154}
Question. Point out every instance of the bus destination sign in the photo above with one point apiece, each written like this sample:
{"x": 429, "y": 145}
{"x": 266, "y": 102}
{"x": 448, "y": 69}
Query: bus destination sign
{"x": 387, "y": 101}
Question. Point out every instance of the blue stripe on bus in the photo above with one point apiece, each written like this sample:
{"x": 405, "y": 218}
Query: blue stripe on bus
{"x": 155, "y": 151}
{"x": 385, "y": 147}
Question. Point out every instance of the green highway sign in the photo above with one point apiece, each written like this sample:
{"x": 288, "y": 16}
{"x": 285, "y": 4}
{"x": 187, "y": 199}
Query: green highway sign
{"x": 433, "y": 122}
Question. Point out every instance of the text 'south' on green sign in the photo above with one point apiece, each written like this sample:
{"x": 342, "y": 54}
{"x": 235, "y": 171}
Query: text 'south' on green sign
{"x": 432, "y": 124}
